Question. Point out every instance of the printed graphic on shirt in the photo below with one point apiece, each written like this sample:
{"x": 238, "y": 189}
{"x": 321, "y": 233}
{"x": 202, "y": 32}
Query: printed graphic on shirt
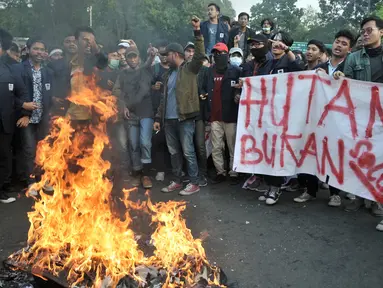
{"x": 10, "y": 87}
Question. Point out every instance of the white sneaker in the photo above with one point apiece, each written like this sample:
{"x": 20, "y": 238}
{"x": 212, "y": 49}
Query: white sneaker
{"x": 160, "y": 176}
{"x": 48, "y": 188}
{"x": 380, "y": 226}
{"x": 32, "y": 192}
{"x": 264, "y": 196}
{"x": 6, "y": 199}
{"x": 304, "y": 197}
{"x": 273, "y": 195}
{"x": 350, "y": 196}
{"x": 335, "y": 201}
{"x": 190, "y": 190}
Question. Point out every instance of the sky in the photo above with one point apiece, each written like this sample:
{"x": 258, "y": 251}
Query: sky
{"x": 245, "y": 5}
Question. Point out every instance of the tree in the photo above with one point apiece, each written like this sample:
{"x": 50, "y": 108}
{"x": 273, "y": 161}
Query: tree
{"x": 284, "y": 13}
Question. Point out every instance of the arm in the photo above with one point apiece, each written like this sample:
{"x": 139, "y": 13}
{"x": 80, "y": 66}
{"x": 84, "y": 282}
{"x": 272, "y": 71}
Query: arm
{"x": 195, "y": 65}
{"x": 118, "y": 94}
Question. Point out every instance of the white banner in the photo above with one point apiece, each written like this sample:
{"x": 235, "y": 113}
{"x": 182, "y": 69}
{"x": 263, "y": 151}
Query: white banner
{"x": 308, "y": 123}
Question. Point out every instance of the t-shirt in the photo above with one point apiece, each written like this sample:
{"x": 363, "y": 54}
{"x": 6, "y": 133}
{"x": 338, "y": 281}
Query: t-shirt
{"x": 376, "y": 69}
{"x": 158, "y": 72}
{"x": 171, "y": 102}
{"x": 212, "y": 28}
{"x": 241, "y": 42}
{"x": 216, "y": 105}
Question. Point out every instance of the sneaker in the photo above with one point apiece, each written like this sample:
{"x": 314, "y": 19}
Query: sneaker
{"x": 202, "y": 181}
{"x": 350, "y": 196}
{"x": 190, "y": 190}
{"x": 380, "y": 226}
{"x": 264, "y": 196}
{"x": 335, "y": 201}
{"x": 146, "y": 182}
{"x": 273, "y": 195}
{"x": 32, "y": 192}
{"x": 258, "y": 185}
{"x": 160, "y": 176}
{"x": 294, "y": 186}
{"x": 172, "y": 187}
{"x": 219, "y": 179}
{"x": 377, "y": 209}
{"x": 354, "y": 205}
{"x": 6, "y": 199}
{"x": 136, "y": 181}
{"x": 324, "y": 186}
{"x": 304, "y": 197}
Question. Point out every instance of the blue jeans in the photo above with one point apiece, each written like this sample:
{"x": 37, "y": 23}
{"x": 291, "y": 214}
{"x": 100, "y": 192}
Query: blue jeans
{"x": 179, "y": 138}
{"x": 140, "y": 143}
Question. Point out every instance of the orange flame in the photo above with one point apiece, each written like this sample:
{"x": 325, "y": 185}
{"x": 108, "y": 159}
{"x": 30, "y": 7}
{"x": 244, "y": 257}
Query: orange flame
{"x": 74, "y": 230}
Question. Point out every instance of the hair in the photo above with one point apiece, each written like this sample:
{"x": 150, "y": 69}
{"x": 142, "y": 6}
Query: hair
{"x": 226, "y": 18}
{"x": 286, "y": 38}
{"x": 378, "y": 21}
{"x": 269, "y": 20}
{"x": 34, "y": 40}
{"x": 319, "y": 44}
{"x": 347, "y": 34}
{"x": 14, "y": 48}
{"x": 234, "y": 24}
{"x": 216, "y": 7}
{"x": 244, "y": 14}
{"x": 161, "y": 43}
{"x": 5, "y": 39}
{"x": 328, "y": 51}
{"x": 299, "y": 52}
{"x": 84, "y": 29}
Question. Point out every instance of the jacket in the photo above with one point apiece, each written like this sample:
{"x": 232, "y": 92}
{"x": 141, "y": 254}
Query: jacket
{"x": 234, "y": 32}
{"x": 13, "y": 94}
{"x": 324, "y": 66}
{"x": 133, "y": 89}
{"x": 202, "y": 90}
{"x": 228, "y": 92}
{"x": 25, "y": 70}
{"x": 187, "y": 96}
{"x": 284, "y": 65}
{"x": 357, "y": 66}
{"x": 221, "y": 36}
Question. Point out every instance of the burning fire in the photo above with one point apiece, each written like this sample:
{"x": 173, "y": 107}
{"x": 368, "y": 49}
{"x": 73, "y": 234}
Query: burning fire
{"x": 74, "y": 230}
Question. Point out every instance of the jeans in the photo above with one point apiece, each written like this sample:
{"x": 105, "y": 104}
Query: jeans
{"x": 219, "y": 132}
{"x": 179, "y": 138}
{"x": 5, "y": 156}
{"x": 30, "y": 136}
{"x": 160, "y": 152}
{"x": 200, "y": 145}
{"x": 119, "y": 140}
{"x": 140, "y": 142}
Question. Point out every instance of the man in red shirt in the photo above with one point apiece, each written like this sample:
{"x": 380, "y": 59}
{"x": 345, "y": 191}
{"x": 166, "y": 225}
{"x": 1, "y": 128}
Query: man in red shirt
{"x": 222, "y": 80}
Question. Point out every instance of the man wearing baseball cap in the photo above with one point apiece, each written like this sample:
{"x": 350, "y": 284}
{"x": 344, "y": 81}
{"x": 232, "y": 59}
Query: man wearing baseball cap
{"x": 236, "y": 56}
{"x": 179, "y": 109}
{"x": 222, "y": 81}
{"x": 189, "y": 51}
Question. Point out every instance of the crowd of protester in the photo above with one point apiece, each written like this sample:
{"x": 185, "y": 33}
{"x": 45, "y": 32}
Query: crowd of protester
{"x": 171, "y": 101}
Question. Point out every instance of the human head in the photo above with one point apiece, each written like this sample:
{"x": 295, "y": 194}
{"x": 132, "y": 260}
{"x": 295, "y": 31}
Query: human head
{"x": 343, "y": 43}
{"x": 267, "y": 25}
{"x": 85, "y": 38}
{"x": 213, "y": 11}
{"x": 371, "y": 30}
{"x": 5, "y": 41}
{"x": 299, "y": 54}
{"x": 161, "y": 46}
{"x": 114, "y": 60}
{"x": 226, "y": 19}
{"x": 258, "y": 46}
{"x": 189, "y": 51}
{"x": 243, "y": 19}
{"x": 206, "y": 61}
{"x": 56, "y": 54}
{"x": 221, "y": 56}
{"x": 175, "y": 55}
{"x": 14, "y": 52}
{"x": 283, "y": 37}
{"x": 234, "y": 24}
{"x": 236, "y": 56}
{"x": 359, "y": 44}
{"x": 69, "y": 44}
{"x": 121, "y": 50}
{"x": 37, "y": 49}
{"x": 315, "y": 50}
{"x": 132, "y": 57}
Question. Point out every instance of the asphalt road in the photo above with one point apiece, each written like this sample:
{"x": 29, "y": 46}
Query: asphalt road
{"x": 288, "y": 245}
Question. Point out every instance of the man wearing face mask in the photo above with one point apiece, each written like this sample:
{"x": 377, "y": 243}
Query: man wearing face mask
{"x": 267, "y": 27}
{"x": 259, "y": 49}
{"x": 222, "y": 81}
{"x": 236, "y": 57}
{"x": 108, "y": 76}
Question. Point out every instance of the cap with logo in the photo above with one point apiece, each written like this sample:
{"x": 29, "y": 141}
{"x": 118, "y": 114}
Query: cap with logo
{"x": 220, "y": 47}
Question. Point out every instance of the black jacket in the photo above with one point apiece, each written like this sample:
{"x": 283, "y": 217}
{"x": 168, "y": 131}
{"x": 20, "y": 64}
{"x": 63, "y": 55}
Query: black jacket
{"x": 13, "y": 94}
{"x": 325, "y": 66}
{"x": 202, "y": 81}
{"x": 25, "y": 69}
{"x": 221, "y": 36}
{"x": 228, "y": 92}
{"x": 234, "y": 32}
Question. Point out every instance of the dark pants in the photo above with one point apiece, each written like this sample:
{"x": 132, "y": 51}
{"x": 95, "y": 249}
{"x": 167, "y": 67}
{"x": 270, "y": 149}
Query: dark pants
{"x": 199, "y": 142}
{"x": 310, "y": 182}
{"x": 30, "y": 136}
{"x": 179, "y": 138}
{"x": 160, "y": 152}
{"x": 5, "y": 156}
{"x": 275, "y": 181}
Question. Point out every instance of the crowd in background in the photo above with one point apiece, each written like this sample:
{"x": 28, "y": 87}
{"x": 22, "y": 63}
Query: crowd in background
{"x": 171, "y": 100}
